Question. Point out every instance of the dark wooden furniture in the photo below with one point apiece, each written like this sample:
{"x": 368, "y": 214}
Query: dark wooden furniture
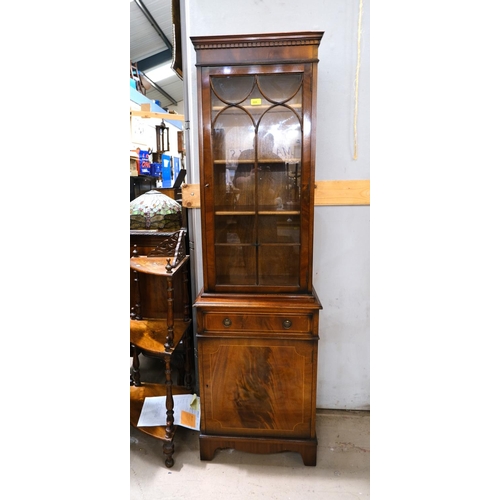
{"x": 160, "y": 323}
{"x": 257, "y": 315}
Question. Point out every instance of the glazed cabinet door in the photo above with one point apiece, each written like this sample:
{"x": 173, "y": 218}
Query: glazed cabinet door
{"x": 256, "y": 178}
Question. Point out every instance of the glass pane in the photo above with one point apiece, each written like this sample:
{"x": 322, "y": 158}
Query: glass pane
{"x": 279, "y": 244}
{"x": 280, "y": 88}
{"x": 231, "y": 89}
{"x": 279, "y": 147}
{"x": 271, "y": 185}
{"x": 233, "y": 132}
{"x": 279, "y": 229}
{"x": 286, "y": 134}
{"x": 235, "y": 249}
{"x": 244, "y": 180}
{"x": 235, "y": 264}
{"x": 291, "y": 197}
{"x": 278, "y": 264}
{"x": 235, "y": 229}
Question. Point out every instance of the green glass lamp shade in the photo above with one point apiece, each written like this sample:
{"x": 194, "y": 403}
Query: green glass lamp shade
{"x": 155, "y": 211}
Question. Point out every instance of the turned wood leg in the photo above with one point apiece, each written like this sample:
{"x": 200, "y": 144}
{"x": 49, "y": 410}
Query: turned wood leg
{"x": 170, "y": 313}
{"x": 168, "y": 450}
{"x": 168, "y": 446}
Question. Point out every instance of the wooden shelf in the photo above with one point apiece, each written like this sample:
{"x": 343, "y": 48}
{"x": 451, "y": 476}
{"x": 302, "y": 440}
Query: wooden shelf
{"x": 279, "y": 108}
{"x": 137, "y": 397}
{"x": 154, "y": 265}
{"x": 151, "y": 334}
{"x": 260, "y": 212}
{"x": 157, "y": 114}
{"x": 291, "y": 161}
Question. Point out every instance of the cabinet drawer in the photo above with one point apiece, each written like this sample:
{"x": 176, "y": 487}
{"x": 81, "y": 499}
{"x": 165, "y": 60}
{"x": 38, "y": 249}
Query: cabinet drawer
{"x": 241, "y": 322}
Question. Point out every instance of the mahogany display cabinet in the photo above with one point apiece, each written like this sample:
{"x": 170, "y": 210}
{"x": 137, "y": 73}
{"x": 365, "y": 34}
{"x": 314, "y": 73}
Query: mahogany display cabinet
{"x": 257, "y": 315}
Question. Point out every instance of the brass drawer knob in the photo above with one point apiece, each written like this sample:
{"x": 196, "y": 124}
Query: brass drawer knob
{"x": 227, "y": 322}
{"x": 287, "y": 324}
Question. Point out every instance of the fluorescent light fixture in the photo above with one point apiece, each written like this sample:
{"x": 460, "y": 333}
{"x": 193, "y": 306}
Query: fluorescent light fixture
{"x": 160, "y": 72}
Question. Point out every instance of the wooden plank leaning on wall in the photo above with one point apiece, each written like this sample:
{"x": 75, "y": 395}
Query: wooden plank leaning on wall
{"x": 350, "y": 192}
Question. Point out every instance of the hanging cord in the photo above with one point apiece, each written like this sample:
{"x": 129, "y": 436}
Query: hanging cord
{"x": 356, "y": 90}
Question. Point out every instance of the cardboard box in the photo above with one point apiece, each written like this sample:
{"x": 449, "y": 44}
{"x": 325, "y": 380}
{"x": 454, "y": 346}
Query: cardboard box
{"x": 134, "y": 172}
{"x": 134, "y": 162}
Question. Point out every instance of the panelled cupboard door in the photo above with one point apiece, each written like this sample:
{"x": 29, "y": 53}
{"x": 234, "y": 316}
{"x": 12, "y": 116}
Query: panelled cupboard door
{"x": 255, "y": 387}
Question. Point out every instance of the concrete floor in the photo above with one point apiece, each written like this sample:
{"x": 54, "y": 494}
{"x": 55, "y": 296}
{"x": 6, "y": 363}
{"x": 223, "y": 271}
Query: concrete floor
{"x": 342, "y": 470}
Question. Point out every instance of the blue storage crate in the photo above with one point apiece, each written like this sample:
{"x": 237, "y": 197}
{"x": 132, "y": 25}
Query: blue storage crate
{"x": 156, "y": 169}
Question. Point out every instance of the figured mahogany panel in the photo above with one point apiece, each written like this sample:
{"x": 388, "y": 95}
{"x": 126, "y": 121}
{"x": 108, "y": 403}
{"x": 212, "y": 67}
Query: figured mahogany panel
{"x": 258, "y": 388}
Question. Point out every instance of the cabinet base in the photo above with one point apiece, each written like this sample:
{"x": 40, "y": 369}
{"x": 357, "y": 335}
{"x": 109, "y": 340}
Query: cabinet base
{"x": 306, "y": 447}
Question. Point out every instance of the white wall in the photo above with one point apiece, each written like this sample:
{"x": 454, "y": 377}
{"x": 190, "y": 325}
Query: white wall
{"x": 341, "y": 234}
